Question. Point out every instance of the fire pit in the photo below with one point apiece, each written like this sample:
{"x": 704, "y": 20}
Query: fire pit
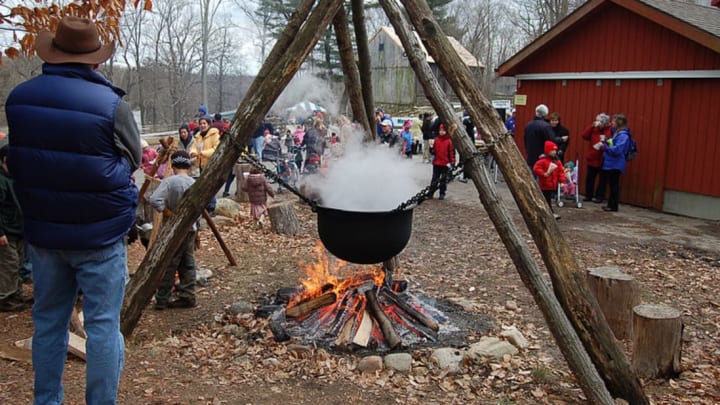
{"x": 362, "y": 310}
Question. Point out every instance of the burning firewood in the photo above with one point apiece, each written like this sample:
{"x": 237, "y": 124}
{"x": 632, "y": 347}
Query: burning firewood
{"x": 391, "y": 337}
{"x": 415, "y": 314}
{"x": 306, "y": 307}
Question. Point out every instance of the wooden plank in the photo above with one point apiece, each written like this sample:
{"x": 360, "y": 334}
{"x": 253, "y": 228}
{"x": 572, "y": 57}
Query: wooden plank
{"x": 14, "y": 353}
{"x": 362, "y": 336}
{"x": 76, "y": 346}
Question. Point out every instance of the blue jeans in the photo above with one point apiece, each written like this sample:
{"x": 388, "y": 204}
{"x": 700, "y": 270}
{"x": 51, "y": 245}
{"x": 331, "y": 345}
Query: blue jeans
{"x": 258, "y": 144}
{"x": 58, "y": 275}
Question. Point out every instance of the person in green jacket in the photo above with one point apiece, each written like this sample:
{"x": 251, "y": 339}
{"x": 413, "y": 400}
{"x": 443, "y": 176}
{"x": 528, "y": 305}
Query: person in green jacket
{"x": 12, "y": 244}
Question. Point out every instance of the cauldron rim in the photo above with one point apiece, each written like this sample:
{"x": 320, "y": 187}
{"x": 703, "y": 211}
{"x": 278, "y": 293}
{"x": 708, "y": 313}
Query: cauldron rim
{"x": 342, "y": 210}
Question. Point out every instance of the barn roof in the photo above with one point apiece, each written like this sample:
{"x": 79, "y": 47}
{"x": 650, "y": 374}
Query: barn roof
{"x": 700, "y": 24}
{"x": 465, "y": 55}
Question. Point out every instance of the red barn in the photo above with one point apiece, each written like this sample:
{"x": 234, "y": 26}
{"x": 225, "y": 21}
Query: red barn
{"x": 658, "y": 62}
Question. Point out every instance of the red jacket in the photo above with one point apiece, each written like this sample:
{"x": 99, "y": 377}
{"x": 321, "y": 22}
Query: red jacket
{"x": 444, "y": 151}
{"x": 594, "y": 158}
{"x": 556, "y": 177}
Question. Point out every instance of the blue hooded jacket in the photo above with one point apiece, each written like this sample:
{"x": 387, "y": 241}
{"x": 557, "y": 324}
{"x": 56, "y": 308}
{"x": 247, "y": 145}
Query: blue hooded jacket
{"x": 614, "y": 155}
{"x": 72, "y": 181}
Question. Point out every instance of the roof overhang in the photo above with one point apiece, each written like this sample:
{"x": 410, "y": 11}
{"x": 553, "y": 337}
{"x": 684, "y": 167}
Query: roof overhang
{"x": 508, "y": 68}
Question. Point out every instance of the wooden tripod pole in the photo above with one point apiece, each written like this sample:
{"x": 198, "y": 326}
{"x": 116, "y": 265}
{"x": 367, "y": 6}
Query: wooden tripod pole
{"x": 569, "y": 283}
{"x": 302, "y": 33}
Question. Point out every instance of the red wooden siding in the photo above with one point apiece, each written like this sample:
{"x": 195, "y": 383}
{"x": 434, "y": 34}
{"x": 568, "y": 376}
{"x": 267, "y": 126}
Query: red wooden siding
{"x": 693, "y": 164}
{"x": 647, "y": 106}
{"x": 614, "y": 39}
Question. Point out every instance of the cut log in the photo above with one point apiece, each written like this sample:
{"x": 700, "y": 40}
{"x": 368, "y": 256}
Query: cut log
{"x": 76, "y": 323}
{"x": 306, "y": 307}
{"x": 283, "y": 219}
{"x": 657, "y": 341}
{"x": 391, "y": 337}
{"x": 76, "y": 345}
{"x": 343, "y": 339}
{"x": 414, "y": 313}
{"x": 240, "y": 169}
{"x": 364, "y": 331}
{"x": 617, "y": 294}
{"x": 15, "y": 353}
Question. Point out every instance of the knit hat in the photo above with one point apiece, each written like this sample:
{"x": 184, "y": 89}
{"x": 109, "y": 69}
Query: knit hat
{"x": 550, "y": 146}
{"x": 144, "y": 144}
{"x": 386, "y": 123}
{"x": 181, "y": 160}
{"x": 407, "y": 124}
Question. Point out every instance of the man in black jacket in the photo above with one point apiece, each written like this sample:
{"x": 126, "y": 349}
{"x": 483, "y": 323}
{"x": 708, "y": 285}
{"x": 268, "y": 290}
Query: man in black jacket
{"x": 537, "y": 132}
{"x": 429, "y": 131}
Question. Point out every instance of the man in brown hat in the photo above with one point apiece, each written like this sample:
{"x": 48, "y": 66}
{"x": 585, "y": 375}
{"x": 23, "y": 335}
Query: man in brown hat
{"x": 73, "y": 149}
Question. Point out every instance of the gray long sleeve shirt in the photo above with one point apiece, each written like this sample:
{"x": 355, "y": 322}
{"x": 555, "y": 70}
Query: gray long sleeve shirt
{"x": 170, "y": 192}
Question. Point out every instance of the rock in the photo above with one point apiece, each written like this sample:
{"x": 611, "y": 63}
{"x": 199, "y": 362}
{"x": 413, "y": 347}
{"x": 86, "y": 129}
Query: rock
{"x": 241, "y": 307}
{"x": 511, "y": 305}
{"x": 514, "y": 336}
{"x": 490, "y": 346}
{"x": 221, "y": 220}
{"x": 370, "y": 364}
{"x": 226, "y": 207}
{"x": 202, "y": 276}
{"x": 448, "y": 358}
{"x": 272, "y": 361}
{"x": 399, "y": 361}
{"x": 233, "y": 329}
{"x": 266, "y": 311}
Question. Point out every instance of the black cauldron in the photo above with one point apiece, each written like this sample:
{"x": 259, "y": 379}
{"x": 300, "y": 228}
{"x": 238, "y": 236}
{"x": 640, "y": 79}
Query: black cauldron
{"x": 364, "y": 237}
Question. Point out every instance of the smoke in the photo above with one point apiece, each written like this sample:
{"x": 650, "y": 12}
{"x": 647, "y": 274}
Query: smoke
{"x": 367, "y": 177}
{"x": 306, "y": 87}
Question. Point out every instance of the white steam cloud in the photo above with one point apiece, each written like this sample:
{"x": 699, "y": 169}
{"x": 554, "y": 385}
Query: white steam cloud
{"x": 367, "y": 177}
{"x": 306, "y": 87}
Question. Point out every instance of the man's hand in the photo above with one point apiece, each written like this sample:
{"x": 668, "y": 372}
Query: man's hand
{"x": 3, "y": 240}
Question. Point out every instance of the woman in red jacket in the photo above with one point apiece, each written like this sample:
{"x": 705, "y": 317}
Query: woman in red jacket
{"x": 550, "y": 173}
{"x": 596, "y": 135}
{"x": 443, "y": 162}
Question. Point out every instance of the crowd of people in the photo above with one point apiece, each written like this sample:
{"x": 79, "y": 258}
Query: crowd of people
{"x": 546, "y": 142}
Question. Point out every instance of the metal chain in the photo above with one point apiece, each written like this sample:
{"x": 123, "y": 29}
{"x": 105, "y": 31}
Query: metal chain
{"x": 455, "y": 171}
{"x": 271, "y": 174}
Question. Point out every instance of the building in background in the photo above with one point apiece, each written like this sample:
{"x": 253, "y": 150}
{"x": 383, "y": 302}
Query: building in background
{"x": 658, "y": 62}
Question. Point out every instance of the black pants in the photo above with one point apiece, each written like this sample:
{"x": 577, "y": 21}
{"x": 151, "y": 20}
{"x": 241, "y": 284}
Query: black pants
{"x": 549, "y": 194}
{"x": 184, "y": 264}
{"x": 590, "y": 190}
{"x": 439, "y": 178}
{"x": 613, "y": 180}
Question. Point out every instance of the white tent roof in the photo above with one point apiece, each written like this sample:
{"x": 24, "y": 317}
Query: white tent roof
{"x": 307, "y": 106}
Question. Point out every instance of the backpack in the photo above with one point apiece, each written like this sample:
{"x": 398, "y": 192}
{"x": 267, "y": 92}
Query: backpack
{"x": 632, "y": 150}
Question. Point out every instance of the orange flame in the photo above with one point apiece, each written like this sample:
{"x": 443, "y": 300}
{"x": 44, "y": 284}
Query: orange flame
{"x": 334, "y": 275}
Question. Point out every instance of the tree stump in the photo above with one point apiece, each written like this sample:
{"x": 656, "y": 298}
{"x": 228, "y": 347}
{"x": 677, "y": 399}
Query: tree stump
{"x": 617, "y": 293}
{"x": 657, "y": 340}
{"x": 283, "y": 219}
{"x": 239, "y": 169}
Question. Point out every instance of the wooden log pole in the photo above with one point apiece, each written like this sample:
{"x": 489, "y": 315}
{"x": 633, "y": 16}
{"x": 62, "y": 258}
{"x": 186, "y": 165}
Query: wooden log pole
{"x": 169, "y": 146}
{"x": 530, "y": 273}
{"x": 657, "y": 341}
{"x": 283, "y": 219}
{"x": 296, "y": 41}
{"x": 569, "y": 283}
{"x": 617, "y": 294}
{"x": 219, "y": 238}
{"x": 308, "y": 306}
{"x": 364, "y": 64}
{"x": 373, "y": 307}
{"x": 351, "y": 74}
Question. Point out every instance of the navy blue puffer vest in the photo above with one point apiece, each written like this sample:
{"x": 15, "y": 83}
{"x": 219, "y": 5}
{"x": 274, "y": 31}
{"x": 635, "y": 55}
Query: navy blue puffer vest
{"x": 74, "y": 186}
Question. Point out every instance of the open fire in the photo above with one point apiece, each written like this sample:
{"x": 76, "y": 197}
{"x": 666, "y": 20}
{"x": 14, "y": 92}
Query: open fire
{"x": 351, "y": 306}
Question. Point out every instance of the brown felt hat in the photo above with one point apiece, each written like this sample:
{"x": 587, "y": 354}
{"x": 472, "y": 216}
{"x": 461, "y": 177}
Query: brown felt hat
{"x": 75, "y": 41}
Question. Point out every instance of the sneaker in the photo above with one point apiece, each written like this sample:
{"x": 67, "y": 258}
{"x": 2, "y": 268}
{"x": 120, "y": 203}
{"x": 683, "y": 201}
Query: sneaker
{"x": 9, "y": 305}
{"x": 463, "y": 180}
{"x": 556, "y": 216}
{"x": 608, "y": 209}
{"x": 160, "y": 305}
{"x": 21, "y": 298}
{"x": 183, "y": 303}
{"x": 442, "y": 197}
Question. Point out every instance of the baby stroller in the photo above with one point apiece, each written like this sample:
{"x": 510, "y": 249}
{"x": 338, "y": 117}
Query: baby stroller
{"x": 569, "y": 191}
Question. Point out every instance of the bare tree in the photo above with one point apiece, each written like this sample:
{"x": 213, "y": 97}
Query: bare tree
{"x": 208, "y": 9}
{"x": 131, "y": 30}
{"x": 534, "y": 17}
{"x": 261, "y": 18}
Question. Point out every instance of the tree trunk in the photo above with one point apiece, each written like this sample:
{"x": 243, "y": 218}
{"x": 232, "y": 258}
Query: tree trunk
{"x": 617, "y": 294}
{"x": 253, "y": 108}
{"x": 568, "y": 281}
{"x": 240, "y": 179}
{"x": 657, "y": 341}
{"x": 530, "y": 274}
{"x": 363, "y": 50}
{"x": 351, "y": 74}
{"x": 283, "y": 219}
